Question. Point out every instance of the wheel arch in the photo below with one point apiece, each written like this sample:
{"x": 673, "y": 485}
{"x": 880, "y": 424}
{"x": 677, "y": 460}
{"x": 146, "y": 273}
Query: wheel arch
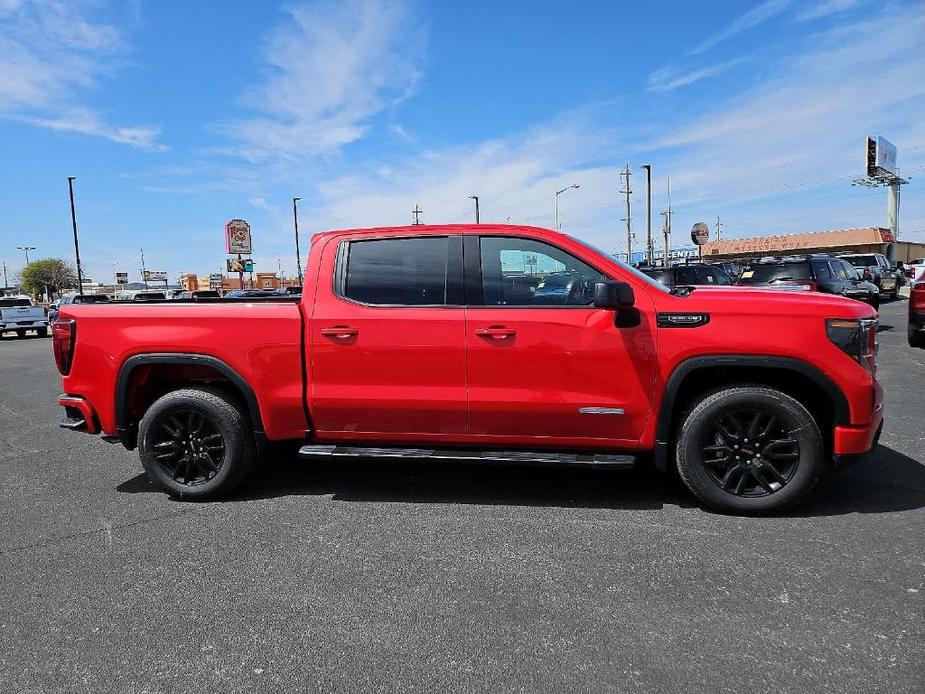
{"x": 699, "y": 375}
{"x": 231, "y": 380}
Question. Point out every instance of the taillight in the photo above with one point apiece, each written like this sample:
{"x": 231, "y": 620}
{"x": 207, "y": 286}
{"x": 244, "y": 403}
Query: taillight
{"x": 917, "y": 297}
{"x": 856, "y": 338}
{"x": 63, "y": 334}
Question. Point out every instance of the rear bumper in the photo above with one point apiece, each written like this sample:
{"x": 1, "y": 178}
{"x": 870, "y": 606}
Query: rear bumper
{"x": 79, "y": 414}
{"x": 28, "y": 325}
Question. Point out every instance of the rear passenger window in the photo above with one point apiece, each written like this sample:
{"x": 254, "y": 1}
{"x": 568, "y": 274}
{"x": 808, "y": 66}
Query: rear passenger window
{"x": 397, "y": 272}
{"x": 822, "y": 271}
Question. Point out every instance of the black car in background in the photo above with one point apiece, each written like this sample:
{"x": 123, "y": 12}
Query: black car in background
{"x": 734, "y": 270}
{"x": 687, "y": 275}
{"x": 811, "y": 273}
{"x": 875, "y": 268}
{"x": 75, "y": 298}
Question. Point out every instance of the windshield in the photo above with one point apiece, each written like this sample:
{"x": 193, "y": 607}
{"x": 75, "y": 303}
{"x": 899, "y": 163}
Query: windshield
{"x": 775, "y": 272}
{"x": 633, "y": 271}
{"x": 861, "y": 260}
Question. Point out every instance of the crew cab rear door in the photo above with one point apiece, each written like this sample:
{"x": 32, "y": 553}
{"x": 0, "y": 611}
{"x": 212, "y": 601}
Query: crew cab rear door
{"x": 548, "y": 368}
{"x": 387, "y": 340}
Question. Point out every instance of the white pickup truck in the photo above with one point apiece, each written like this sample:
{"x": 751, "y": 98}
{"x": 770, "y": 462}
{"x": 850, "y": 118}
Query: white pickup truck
{"x": 17, "y": 313}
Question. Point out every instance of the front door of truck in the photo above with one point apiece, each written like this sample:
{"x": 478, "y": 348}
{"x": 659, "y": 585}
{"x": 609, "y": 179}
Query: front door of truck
{"x": 544, "y": 365}
{"x": 387, "y": 340}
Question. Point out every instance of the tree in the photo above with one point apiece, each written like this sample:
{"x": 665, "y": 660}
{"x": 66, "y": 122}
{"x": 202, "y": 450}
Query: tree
{"x": 52, "y": 274}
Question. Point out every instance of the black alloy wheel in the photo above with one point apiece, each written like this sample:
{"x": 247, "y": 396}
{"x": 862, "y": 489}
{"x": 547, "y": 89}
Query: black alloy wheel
{"x": 750, "y": 449}
{"x": 197, "y": 443}
{"x": 188, "y": 447}
{"x": 750, "y": 453}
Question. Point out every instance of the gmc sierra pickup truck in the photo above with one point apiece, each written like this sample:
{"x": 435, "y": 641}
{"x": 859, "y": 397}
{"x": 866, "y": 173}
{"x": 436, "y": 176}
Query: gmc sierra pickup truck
{"x": 445, "y": 342}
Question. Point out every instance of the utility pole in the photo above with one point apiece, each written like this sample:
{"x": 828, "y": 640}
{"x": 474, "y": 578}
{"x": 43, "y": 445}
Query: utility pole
{"x": 718, "y": 226}
{"x": 295, "y": 220}
{"x": 476, "y": 198}
{"x": 417, "y": 211}
{"x": 70, "y": 189}
{"x": 667, "y": 231}
{"x": 625, "y": 175}
{"x": 5, "y": 282}
{"x": 650, "y": 250}
{"x": 144, "y": 272}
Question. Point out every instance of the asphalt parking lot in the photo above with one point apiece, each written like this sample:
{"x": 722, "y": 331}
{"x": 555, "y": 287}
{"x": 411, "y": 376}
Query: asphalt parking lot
{"x": 450, "y": 577}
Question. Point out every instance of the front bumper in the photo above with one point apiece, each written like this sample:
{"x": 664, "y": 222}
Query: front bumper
{"x": 851, "y": 443}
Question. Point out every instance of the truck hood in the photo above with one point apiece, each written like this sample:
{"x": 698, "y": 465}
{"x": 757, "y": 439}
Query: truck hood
{"x": 783, "y": 302}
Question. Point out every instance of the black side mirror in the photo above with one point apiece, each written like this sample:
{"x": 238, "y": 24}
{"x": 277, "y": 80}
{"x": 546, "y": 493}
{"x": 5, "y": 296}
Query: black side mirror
{"x": 613, "y": 294}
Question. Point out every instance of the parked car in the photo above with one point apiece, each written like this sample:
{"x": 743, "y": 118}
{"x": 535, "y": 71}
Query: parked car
{"x": 915, "y": 269}
{"x": 557, "y": 288}
{"x": 17, "y": 313}
{"x": 917, "y": 315}
{"x": 198, "y": 294}
{"x": 75, "y": 298}
{"x": 294, "y": 289}
{"x": 138, "y": 295}
{"x": 251, "y": 293}
{"x": 814, "y": 273}
{"x": 875, "y": 268}
{"x": 734, "y": 270}
{"x": 688, "y": 275}
{"x": 405, "y": 345}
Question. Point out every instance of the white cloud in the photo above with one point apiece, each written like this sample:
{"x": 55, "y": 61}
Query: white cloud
{"x": 667, "y": 79}
{"x": 755, "y": 16}
{"x": 332, "y": 67}
{"x": 51, "y": 52}
{"x": 827, "y": 8}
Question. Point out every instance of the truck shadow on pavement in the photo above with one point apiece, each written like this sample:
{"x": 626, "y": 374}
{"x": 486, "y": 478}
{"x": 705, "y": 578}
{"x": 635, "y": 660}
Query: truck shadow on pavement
{"x": 889, "y": 481}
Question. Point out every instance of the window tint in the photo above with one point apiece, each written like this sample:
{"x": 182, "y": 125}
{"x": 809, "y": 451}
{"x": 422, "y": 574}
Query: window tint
{"x": 822, "y": 270}
{"x": 404, "y": 272}
{"x": 851, "y": 272}
{"x": 7, "y": 303}
{"x": 659, "y": 275}
{"x": 840, "y": 269}
{"x": 523, "y": 272}
{"x": 688, "y": 275}
{"x": 768, "y": 273}
{"x": 719, "y": 276}
{"x": 862, "y": 260}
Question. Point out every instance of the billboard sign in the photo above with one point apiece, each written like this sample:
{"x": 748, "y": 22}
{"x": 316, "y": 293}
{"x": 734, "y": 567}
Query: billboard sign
{"x": 121, "y": 278}
{"x": 239, "y": 264}
{"x": 238, "y": 237}
{"x": 700, "y": 233}
{"x": 216, "y": 280}
{"x": 155, "y": 275}
{"x": 886, "y": 156}
{"x": 881, "y": 157}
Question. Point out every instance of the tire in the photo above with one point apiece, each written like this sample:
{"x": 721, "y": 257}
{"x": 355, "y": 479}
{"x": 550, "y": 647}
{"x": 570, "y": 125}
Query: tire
{"x": 713, "y": 456}
{"x": 41, "y": 332}
{"x": 875, "y": 302}
{"x": 196, "y": 444}
{"x": 20, "y": 333}
{"x": 916, "y": 337}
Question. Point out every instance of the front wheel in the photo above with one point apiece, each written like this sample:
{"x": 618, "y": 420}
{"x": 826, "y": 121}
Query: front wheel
{"x": 916, "y": 337}
{"x": 196, "y": 444}
{"x": 750, "y": 449}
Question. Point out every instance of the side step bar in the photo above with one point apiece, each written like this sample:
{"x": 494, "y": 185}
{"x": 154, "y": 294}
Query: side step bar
{"x": 610, "y": 461}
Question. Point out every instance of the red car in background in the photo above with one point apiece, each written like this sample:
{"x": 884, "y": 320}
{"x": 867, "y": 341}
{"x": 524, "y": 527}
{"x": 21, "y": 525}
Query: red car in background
{"x": 917, "y": 315}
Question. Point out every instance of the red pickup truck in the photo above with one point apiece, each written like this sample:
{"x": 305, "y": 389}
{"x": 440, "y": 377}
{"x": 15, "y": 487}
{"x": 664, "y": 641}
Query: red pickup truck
{"x": 483, "y": 342}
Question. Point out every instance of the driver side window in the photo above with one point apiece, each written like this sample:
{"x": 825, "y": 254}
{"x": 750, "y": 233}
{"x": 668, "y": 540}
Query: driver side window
{"x": 524, "y": 272}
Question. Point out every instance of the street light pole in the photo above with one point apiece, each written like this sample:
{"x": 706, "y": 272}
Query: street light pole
{"x": 26, "y": 250}
{"x": 650, "y": 251}
{"x": 476, "y": 198}
{"x": 558, "y": 193}
{"x": 70, "y": 188}
{"x": 295, "y": 220}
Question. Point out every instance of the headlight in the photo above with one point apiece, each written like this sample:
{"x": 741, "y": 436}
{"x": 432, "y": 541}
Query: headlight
{"x": 856, "y": 338}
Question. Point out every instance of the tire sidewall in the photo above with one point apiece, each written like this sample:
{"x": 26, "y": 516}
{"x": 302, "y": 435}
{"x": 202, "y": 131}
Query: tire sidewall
{"x": 694, "y": 472}
{"x": 236, "y": 445}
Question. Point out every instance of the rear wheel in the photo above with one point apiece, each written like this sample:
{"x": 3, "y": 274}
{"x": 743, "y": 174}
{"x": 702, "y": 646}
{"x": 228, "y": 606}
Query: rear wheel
{"x": 750, "y": 449}
{"x": 20, "y": 333}
{"x": 196, "y": 444}
{"x": 916, "y": 337}
{"x": 41, "y": 332}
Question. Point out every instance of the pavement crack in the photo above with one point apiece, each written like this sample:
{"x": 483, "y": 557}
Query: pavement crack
{"x": 105, "y": 529}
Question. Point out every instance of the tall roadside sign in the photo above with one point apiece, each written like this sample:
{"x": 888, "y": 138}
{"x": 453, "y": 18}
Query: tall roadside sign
{"x": 238, "y": 242}
{"x": 882, "y": 170}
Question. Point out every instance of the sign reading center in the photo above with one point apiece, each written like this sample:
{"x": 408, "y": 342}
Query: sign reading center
{"x": 238, "y": 237}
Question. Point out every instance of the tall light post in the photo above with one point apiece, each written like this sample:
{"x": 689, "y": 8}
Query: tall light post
{"x": 558, "y": 193}
{"x": 80, "y": 280}
{"x": 26, "y": 250}
{"x": 295, "y": 220}
{"x": 650, "y": 249}
{"x": 476, "y": 198}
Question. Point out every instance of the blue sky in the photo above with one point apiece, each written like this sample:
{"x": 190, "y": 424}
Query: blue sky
{"x": 178, "y": 116}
